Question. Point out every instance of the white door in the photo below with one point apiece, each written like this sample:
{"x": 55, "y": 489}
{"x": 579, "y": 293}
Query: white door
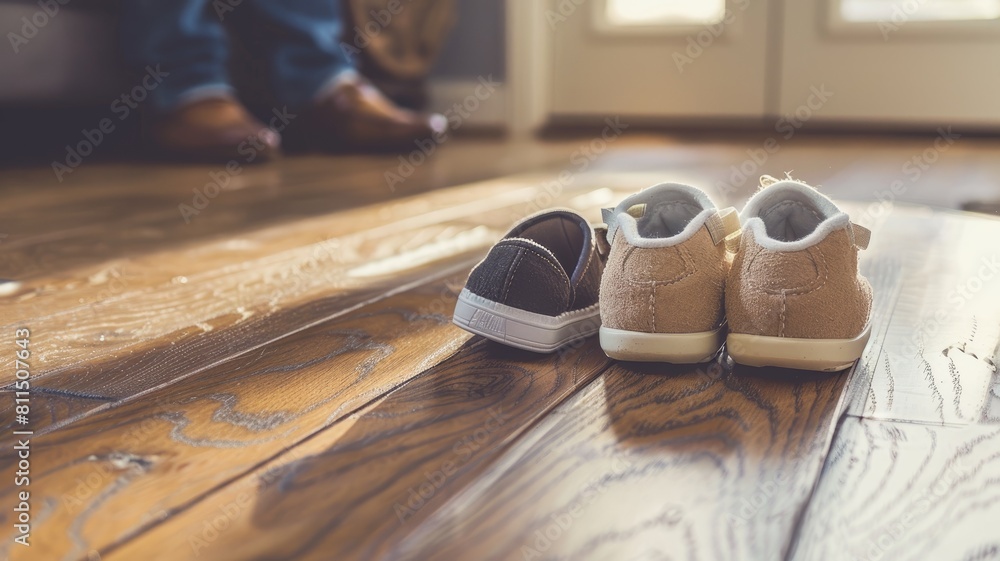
{"x": 658, "y": 58}
{"x": 845, "y": 62}
{"x": 923, "y": 62}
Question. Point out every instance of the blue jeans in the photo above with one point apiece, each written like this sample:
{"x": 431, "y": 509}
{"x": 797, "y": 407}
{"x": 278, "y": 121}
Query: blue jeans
{"x": 186, "y": 41}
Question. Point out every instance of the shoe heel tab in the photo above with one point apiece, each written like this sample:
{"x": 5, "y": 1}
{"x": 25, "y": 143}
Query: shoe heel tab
{"x": 860, "y": 236}
{"x": 724, "y": 227}
{"x": 601, "y": 242}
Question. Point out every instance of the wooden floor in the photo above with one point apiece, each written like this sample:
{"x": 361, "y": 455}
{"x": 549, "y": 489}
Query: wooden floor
{"x": 277, "y": 377}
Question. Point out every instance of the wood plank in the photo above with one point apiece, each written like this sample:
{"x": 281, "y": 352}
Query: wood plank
{"x": 188, "y": 346}
{"x": 915, "y": 469}
{"x": 526, "y": 475}
{"x": 937, "y": 359}
{"x": 114, "y": 473}
{"x": 161, "y": 329}
{"x": 884, "y": 272}
{"x": 348, "y": 492}
{"x": 650, "y": 462}
{"x": 110, "y": 211}
{"x": 906, "y": 492}
{"x": 316, "y": 238}
{"x": 179, "y": 420}
{"x": 138, "y": 202}
{"x": 341, "y": 452}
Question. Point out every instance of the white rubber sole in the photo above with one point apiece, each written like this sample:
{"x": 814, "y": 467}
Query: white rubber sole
{"x": 675, "y": 348}
{"x": 523, "y": 329}
{"x": 825, "y": 355}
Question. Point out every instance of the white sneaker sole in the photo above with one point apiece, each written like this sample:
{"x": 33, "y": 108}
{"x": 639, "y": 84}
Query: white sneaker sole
{"x": 523, "y": 329}
{"x": 675, "y": 348}
{"x": 825, "y": 355}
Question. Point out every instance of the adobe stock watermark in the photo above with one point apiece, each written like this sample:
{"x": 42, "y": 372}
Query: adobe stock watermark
{"x": 121, "y": 107}
{"x": 456, "y": 116}
{"x": 911, "y": 171}
{"x": 117, "y": 466}
{"x": 224, "y": 7}
{"x": 703, "y": 40}
{"x": 461, "y": 452}
{"x": 559, "y": 523}
{"x": 219, "y": 180}
{"x": 227, "y": 514}
{"x": 902, "y": 12}
{"x": 762, "y": 495}
{"x": 378, "y": 21}
{"x": 963, "y": 293}
{"x": 115, "y": 281}
{"x": 325, "y": 265}
{"x": 564, "y": 9}
{"x": 891, "y": 535}
{"x": 443, "y": 304}
{"x": 31, "y": 25}
{"x": 580, "y": 161}
{"x": 786, "y": 127}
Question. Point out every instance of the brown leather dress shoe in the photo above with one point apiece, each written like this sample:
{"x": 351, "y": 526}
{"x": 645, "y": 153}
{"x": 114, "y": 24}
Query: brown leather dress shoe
{"x": 214, "y": 129}
{"x": 356, "y": 117}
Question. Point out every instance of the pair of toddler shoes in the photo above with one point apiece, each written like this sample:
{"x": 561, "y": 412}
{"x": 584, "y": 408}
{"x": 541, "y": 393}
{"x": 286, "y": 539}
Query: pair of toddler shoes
{"x": 671, "y": 278}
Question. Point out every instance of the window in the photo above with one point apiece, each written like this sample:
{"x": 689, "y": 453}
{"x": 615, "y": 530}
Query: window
{"x": 647, "y": 13}
{"x": 918, "y": 10}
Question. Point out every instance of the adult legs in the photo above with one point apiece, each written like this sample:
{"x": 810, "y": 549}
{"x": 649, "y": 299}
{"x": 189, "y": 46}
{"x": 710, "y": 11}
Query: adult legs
{"x": 183, "y": 40}
{"x": 196, "y": 113}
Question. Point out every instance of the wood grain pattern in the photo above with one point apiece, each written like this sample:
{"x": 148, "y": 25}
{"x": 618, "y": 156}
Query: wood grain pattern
{"x": 273, "y": 266}
{"x": 650, "y": 462}
{"x": 906, "y": 492}
{"x": 523, "y": 194}
{"x": 991, "y": 413}
{"x": 115, "y": 473}
{"x": 158, "y": 329}
{"x": 403, "y": 243}
{"x": 897, "y": 484}
{"x": 110, "y": 211}
{"x": 360, "y": 486}
{"x": 937, "y": 357}
{"x": 280, "y": 380}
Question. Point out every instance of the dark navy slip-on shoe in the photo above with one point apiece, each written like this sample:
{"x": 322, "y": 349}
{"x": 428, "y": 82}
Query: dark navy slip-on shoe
{"x": 537, "y": 288}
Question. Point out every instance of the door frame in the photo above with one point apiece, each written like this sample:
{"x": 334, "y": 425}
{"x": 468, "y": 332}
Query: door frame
{"x": 528, "y": 53}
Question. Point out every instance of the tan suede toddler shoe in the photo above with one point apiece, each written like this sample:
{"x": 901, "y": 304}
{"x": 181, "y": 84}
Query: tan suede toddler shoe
{"x": 794, "y": 298}
{"x": 662, "y": 291}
